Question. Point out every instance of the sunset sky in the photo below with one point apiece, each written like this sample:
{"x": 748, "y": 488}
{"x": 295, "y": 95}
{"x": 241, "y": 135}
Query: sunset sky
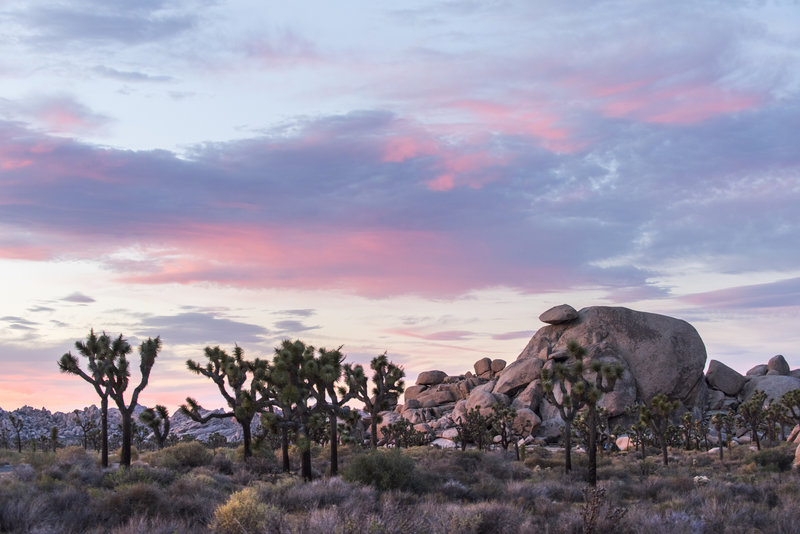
{"x": 421, "y": 178}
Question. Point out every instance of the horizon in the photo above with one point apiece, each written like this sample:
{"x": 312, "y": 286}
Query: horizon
{"x": 422, "y": 181}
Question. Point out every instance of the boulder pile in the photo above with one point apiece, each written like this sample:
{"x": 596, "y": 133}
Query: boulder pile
{"x": 659, "y": 354}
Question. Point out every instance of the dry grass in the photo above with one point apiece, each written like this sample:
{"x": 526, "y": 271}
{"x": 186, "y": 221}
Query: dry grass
{"x": 449, "y": 491}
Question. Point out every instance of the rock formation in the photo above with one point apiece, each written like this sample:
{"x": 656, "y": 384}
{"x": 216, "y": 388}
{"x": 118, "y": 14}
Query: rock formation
{"x": 659, "y": 354}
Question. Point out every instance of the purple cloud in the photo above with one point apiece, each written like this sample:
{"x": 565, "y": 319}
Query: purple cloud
{"x": 78, "y": 298}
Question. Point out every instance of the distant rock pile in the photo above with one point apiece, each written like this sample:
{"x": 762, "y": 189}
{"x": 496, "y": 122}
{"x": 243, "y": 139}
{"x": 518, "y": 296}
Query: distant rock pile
{"x": 38, "y": 422}
{"x": 727, "y": 388}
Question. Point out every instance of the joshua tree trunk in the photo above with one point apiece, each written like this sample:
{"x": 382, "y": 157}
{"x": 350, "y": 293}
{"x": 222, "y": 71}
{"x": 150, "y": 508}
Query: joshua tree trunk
{"x": 305, "y": 457}
{"x": 592, "y": 476}
{"x": 104, "y": 431}
{"x": 334, "y": 446}
{"x": 567, "y": 446}
{"x": 125, "y": 451}
{"x": 287, "y": 465}
{"x": 246, "y": 437}
{"x": 373, "y": 429}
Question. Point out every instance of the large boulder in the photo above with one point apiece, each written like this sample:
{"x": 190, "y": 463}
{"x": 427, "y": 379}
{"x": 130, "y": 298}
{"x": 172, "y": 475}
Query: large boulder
{"x": 483, "y": 400}
{"x": 518, "y": 375}
{"x": 431, "y": 378}
{"x": 559, "y": 314}
{"x": 484, "y": 365}
{"x": 723, "y": 378}
{"x": 527, "y": 420}
{"x": 412, "y": 392}
{"x": 759, "y": 370}
{"x": 779, "y": 365}
{"x": 498, "y": 365}
{"x": 663, "y": 354}
{"x": 773, "y": 385}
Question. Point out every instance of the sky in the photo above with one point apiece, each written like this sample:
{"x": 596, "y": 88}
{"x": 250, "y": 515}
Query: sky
{"x": 417, "y": 178}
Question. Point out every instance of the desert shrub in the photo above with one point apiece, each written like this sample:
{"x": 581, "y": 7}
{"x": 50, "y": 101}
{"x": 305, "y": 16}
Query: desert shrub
{"x": 194, "y": 497}
{"x": 222, "y": 463}
{"x": 24, "y": 472}
{"x": 487, "y": 518}
{"x": 149, "y": 525}
{"x": 323, "y": 493}
{"x": 39, "y": 460}
{"x": 181, "y": 456}
{"x": 774, "y": 460}
{"x": 138, "y": 472}
{"x": 137, "y": 499}
{"x": 244, "y": 512}
{"x": 541, "y": 457}
{"x": 386, "y": 470}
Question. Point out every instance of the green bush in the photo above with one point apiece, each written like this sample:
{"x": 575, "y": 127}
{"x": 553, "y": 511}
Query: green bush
{"x": 774, "y": 460}
{"x": 244, "y": 512}
{"x": 386, "y": 470}
{"x": 181, "y": 456}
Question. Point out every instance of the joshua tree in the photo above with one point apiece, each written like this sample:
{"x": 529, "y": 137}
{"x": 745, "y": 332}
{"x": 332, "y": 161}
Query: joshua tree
{"x": 17, "y": 424}
{"x": 118, "y": 374}
{"x": 86, "y": 425}
{"x": 232, "y": 372}
{"x": 656, "y": 416}
{"x": 577, "y": 391}
{"x": 323, "y": 378}
{"x": 387, "y": 379}
{"x": 54, "y": 437}
{"x": 504, "y": 424}
{"x": 101, "y": 352}
{"x": 775, "y": 417}
{"x": 157, "y": 420}
{"x": 473, "y": 428}
{"x": 290, "y": 377}
{"x": 752, "y": 413}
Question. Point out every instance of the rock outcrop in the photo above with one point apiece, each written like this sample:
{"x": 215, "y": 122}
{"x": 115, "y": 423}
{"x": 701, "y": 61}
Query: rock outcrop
{"x": 658, "y": 354}
{"x": 663, "y": 354}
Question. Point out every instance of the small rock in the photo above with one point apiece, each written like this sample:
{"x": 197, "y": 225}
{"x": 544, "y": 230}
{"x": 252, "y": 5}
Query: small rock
{"x": 442, "y": 443}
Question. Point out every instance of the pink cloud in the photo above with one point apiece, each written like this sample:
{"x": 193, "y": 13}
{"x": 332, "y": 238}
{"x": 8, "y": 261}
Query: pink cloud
{"x": 64, "y": 115}
{"x": 682, "y": 104}
{"x": 369, "y": 262}
{"x": 527, "y": 117}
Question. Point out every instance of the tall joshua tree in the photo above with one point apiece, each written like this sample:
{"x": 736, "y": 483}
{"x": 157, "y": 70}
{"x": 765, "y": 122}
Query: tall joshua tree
{"x": 576, "y": 392}
{"x": 118, "y": 374}
{"x": 387, "y": 379}
{"x": 326, "y": 373}
{"x": 291, "y": 376}
{"x": 101, "y": 352}
{"x": 157, "y": 420}
{"x": 231, "y": 374}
